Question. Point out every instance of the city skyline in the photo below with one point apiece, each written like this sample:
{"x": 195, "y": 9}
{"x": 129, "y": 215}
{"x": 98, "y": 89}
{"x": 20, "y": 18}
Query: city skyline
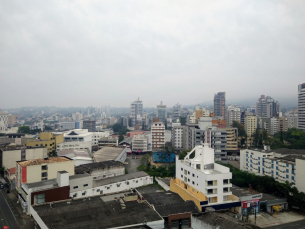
{"x": 77, "y": 54}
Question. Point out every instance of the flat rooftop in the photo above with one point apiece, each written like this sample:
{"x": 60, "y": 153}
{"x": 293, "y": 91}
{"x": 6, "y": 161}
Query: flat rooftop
{"x": 88, "y": 168}
{"x": 117, "y": 179}
{"x": 238, "y": 191}
{"x": 107, "y": 154}
{"x": 43, "y": 161}
{"x": 95, "y": 213}
{"x": 42, "y": 183}
{"x": 76, "y": 176}
{"x": 169, "y": 203}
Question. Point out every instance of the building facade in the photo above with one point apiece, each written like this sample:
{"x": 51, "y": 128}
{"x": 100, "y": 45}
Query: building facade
{"x": 233, "y": 114}
{"x": 3, "y": 122}
{"x": 201, "y": 180}
{"x": 161, "y": 112}
{"x": 220, "y": 105}
{"x": 267, "y": 107}
{"x": 157, "y": 135}
{"x": 176, "y": 113}
{"x": 139, "y": 143}
{"x": 90, "y": 125}
{"x": 250, "y": 124}
{"x": 178, "y": 136}
{"x": 301, "y": 106}
{"x": 136, "y": 112}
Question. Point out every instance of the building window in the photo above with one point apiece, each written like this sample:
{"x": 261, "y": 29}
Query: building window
{"x": 85, "y": 185}
{"x": 44, "y": 167}
{"x": 84, "y": 193}
{"x": 75, "y": 187}
{"x": 44, "y": 174}
{"x": 39, "y": 199}
{"x": 193, "y": 175}
{"x": 198, "y": 166}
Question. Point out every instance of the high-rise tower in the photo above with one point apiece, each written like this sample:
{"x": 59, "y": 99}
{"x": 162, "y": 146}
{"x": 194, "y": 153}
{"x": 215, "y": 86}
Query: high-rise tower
{"x": 220, "y": 104}
{"x": 301, "y": 106}
{"x": 136, "y": 112}
{"x": 161, "y": 112}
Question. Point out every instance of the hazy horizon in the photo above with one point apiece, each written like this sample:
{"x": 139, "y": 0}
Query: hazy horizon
{"x": 82, "y": 53}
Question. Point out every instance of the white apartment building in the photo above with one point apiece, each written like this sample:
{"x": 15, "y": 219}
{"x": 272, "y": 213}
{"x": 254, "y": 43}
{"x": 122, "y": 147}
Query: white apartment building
{"x": 250, "y": 124}
{"x": 74, "y": 145}
{"x": 301, "y": 106}
{"x": 203, "y": 181}
{"x": 77, "y": 116}
{"x": 292, "y": 121}
{"x": 139, "y": 143}
{"x": 233, "y": 114}
{"x": 178, "y": 137}
{"x": 67, "y": 125}
{"x": 281, "y": 164}
{"x": 3, "y": 122}
{"x": 157, "y": 135}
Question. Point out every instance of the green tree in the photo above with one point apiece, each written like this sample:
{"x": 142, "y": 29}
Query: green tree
{"x": 24, "y": 129}
{"x": 117, "y": 127}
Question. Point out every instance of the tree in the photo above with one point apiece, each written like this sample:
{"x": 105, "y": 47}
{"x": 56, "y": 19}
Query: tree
{"x": 117, "y": 127}
{"x": 184, "y": 152}
{"x": 24, "y": 129}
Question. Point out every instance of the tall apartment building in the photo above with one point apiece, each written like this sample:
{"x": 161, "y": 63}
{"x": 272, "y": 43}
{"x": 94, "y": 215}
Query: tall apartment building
{"x": 281, "y": 164}
{"x": 201, "y": 180}
{"x": 282, "y": 124}
{"x": 176, "y": 113}
{"x": 178, "y": 136}
{"x": 231, "y": 138}
{"x": 161, "y": 112}
{"x": 267, "y": 107}
{"x": 292, "y": 121}
{"x": 77, "y": 116}
{"x": 301, "y": 106}
{"x": 139, "y": 143}
{"x": 31, "y": 171}
{"x": 11, "y": 119}
{"x": 157, "y": 135}
{"x": 90, "y": 125}
{"x": 220, "y": 105}
{"x": 250, "y": 124}
{"x": 3, "y": 122}
{"x": 136, "y": 112}
{"x": 233, "y": 114}
{"x": 268, "y": 124}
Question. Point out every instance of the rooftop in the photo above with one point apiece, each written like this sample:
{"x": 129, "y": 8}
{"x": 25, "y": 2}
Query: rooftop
{"x": 107, "y": 153}
{"x": 88, "y": 168}
{"x": 95, "y": 213}
{"x": 71, "y": 153}
{"x": 126, "y": 141}
{"x": 169, "y": 203}
{"x": 43, "y": 161}
{"x": 11, "y": 147}
{"x": 239, "y": 191}
{"x": 76, "y": 176}
{"x": 121, "y": 178}
{"x": 42, "y": 183}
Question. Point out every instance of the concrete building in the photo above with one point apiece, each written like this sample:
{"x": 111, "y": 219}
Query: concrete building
{"x": 3, "y": 122}
{"x": 158, "y": 135}
{"x": 176, "y": 113}
{"x": 268, "y": 124}
{"x": 161, "y": 112}
{"x": 233, "y": 114}
{"x": 67, "y": 125}
{"x": 11, "y": 120}
{"x": 301, "y": 106}
{"x": 108, "y": 141}
{"x": 203, "y": 181}
{"x": 281, "y": 164}
{"x": 267, "y": 107}
{"x": 136, "y": 110}
{"x": 231, "y": 138}
{"x": 90, "y": 125}
{"x": 292, "y": 121}
{"x": 74, "y": 146}
{"x": 178, "y": 137}
{"x": 47, "y": 140}
{"x": 9, "y": 155}
{"x": 220, "y": 105}
{"x": 139, "y": 143}
{"x": 31, "y": 171}
{"x": 111, "y": 153}
{"x": 282, "y": 124}
{"x": 77, "y": 116}
{"x": 250, "y": 125}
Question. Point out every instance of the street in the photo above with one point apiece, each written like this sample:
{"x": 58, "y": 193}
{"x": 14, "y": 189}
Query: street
{"x": 6, "y": 216}
{"x": 294, "y": 225}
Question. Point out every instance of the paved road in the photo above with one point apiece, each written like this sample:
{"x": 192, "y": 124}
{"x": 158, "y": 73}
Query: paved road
{"x": 293, "y": 225}
{"x": 6, "y": 216}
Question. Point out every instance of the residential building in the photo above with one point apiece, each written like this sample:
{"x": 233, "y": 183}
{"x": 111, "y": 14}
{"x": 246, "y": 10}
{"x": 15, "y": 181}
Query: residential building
{"x": 233, "y": 114}
{"x": 178, "y": 137}
{"x": 11, "y": 119}
{"x": 3, "y": 122}
{"x": 268, "y": 124}
{"x": 158, "y": 135}
{"x": 161, "y": 112}
{"x": 76, "y": 145}
{"x": 301, "y": 106}
{"x": 47, "y": 140}
{"x": 9, "y": 155}
{"x": 176, "y": 113}
{"x": 35, "y": 170}
{"x": 292, "y": 121}
{"x": 136, "y": 110}
{"x": 242, "y": 117}
{"x": 267, "y": 107}
{"x": 90, "y": 125}
{"x": 77, "y": 116}
{"x": 203, "y": 181}
{"x": 108, "y": 141}
{"x": 250, "y": 125}
{"x": 281, "y": 164}
{"x": 139, "y": 143}
{"x": 231, "y": 138}
{"x": 282, "y": 124}
{"x": 220, "y": 105}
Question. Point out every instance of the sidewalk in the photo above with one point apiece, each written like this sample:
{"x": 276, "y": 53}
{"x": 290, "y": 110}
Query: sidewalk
{"x": 266, "y": 220}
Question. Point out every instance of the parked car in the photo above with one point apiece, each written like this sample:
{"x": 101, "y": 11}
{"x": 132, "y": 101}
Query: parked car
{"x": 5, "y": 227}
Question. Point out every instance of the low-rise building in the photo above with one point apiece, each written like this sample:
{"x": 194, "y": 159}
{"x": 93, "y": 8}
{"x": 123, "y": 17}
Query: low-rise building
{"x": 79, "y": 156}
{"x": 111, "y": 154}
{"x": 281, "y": 164}
{"x": 67, "y": 125}
{"x": 74, "y": 146}
{"x": 139, "y": 143}
{"x": 203, "y": 181}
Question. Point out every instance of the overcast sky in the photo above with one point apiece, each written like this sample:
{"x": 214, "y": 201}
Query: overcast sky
{"x": 81, "y": 53}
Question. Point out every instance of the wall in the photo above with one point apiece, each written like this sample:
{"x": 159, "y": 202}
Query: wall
{"x": 10, "y": 157}
{"x": 108, "y": 172}
{"x": 300, "y": 171}
{"x": 162, "y": 184}
{"x": 53, "y": 168}
{"x": 33, "y": 173}
{"x": 80, "y": 182}
{"x": 38, "y": 219}
{"x": 74, "y": 145}
{"x": 197, "y": 223}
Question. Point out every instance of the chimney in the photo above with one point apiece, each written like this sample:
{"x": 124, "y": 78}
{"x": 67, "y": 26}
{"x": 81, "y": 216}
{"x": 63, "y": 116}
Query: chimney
{"x": 62, "y": 178}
